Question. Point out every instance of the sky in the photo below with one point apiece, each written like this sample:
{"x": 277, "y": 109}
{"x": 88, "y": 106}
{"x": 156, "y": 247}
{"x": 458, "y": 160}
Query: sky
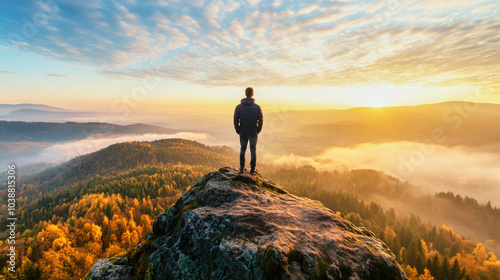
{"x": 151, "y": 54}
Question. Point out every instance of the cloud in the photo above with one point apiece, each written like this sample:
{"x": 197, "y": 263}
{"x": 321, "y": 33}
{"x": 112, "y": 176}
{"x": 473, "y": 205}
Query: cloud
{"x": 220, "y": 43}
{"x": 308, "y": 9}
{"x": 54, "y": 75}
{"x": 2, "y": 72}
{"x": 253, "y": 2}
{"x": 465, "y": 171}
{"x": 431, "y": 5}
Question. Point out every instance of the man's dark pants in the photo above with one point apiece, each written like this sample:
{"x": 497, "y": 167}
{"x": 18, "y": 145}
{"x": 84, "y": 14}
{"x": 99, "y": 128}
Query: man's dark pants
{"x": 244, "y": 139}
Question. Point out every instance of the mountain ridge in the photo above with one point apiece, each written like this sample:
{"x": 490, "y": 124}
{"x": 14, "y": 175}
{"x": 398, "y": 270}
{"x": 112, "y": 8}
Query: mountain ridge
{"x": 7, "y": 108}
{"x": 130, "y": 155}
{"x": 54, "y": 132}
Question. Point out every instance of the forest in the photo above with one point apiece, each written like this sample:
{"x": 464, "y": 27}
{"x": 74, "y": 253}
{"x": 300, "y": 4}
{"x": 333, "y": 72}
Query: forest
{"x": 103, "y": 204}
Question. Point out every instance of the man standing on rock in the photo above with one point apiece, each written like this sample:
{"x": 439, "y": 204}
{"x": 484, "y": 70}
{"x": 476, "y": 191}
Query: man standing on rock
{"x": 248, "y": 124}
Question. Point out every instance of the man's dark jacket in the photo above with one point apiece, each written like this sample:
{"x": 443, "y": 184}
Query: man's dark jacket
{"x": 248, "y": 117}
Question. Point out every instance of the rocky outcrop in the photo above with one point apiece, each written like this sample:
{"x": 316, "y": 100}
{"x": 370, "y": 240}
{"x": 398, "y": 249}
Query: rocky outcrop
{"x": 112, "y": 269}
{"x": 242, "y": 226}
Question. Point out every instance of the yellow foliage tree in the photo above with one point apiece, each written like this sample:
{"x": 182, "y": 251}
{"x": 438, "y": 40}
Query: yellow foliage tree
{"x": 46, "y": 237}
{"x": 480, "y": 254}
{"x": 411, "y": 272}
{"x": 113, "y": 251}
{"x": 426, "y": 276}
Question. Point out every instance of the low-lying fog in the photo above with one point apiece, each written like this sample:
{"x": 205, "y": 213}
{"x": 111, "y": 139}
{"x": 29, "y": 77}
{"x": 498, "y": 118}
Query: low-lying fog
{"x": 62, "y": 152}
{"x": 462, "y": 170}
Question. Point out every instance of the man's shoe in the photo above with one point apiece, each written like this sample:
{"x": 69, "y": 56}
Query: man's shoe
{"x": 253, "y": 172}
{"x": 241, "y": 171}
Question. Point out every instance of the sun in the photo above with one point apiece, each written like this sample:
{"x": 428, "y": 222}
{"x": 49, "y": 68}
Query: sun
{"x": 378, "y": 96}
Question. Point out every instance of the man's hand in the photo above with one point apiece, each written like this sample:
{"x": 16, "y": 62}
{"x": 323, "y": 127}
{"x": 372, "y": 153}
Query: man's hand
{"x": 237, "y": 131}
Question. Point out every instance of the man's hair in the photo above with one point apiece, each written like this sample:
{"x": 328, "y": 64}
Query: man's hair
{"x": 249, "y": 92}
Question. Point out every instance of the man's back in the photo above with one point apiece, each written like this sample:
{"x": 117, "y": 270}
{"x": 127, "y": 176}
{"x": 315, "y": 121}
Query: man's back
{"x": 248, "y": 117}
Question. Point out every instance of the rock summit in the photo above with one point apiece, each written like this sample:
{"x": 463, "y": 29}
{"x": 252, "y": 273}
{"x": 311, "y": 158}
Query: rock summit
{"x": 243, "y": 226}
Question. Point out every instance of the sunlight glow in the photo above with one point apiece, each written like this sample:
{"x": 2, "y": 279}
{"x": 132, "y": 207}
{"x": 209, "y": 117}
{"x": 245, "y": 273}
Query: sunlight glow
{"x": 381, "y": 96}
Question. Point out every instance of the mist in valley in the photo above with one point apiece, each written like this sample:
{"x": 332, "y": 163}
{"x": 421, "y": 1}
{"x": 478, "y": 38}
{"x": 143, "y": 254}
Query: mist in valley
{"x": 60, "y": 152}
{"x": 461, "y": 170}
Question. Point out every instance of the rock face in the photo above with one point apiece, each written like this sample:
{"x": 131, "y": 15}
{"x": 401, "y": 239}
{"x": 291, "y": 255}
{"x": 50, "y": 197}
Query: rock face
{"x": 111, "y": 269}
{"x": 242, "y": 226}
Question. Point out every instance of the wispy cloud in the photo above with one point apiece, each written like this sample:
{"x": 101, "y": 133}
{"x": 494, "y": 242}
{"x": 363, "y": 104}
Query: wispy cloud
{"x": 421, "y": 42}
{"x": 54, "y": 75}
{"x": 2, "y": 72}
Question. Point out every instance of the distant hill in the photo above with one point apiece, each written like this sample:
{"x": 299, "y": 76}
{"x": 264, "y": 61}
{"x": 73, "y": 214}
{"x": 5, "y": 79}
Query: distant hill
{"x": 130, "y": 155}
{"x": 8, "y": 108}
{"x": 40, "y": 113}
{"x": 34, "y": 115}
{"x": 463, "y": 123}
{"x": 56, "y": 132}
